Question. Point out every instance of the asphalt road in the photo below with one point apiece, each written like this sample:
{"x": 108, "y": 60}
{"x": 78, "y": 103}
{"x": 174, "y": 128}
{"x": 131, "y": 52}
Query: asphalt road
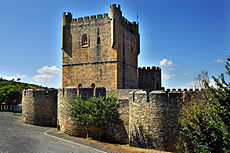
{"x": 17, "y": 137}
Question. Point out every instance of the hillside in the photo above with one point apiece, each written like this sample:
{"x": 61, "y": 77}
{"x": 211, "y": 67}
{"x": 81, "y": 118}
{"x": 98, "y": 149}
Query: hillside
{"x": 11, "y": 91}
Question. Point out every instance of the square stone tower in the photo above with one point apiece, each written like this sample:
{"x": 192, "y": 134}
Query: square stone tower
{"x": 100, "y": 51}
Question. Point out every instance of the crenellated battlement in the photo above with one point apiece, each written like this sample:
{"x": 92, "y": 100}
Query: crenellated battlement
{"x": 39, "y": 107}
{"x": 160, "y": 98}
{"x": 153, "y": 68}
{"x": 115, "y": 12}
{"x": 158, "y": 112}
{"x": 149, "y": 78}
{"x": 130, "y": 25}
{"x": 39, "y": 93}
{"x": 188, "y": 90}
{"x": 93, "y": 19}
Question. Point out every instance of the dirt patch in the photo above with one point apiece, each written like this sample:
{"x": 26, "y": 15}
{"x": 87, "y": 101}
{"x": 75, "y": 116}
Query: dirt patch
{"x": 117, "y": 147}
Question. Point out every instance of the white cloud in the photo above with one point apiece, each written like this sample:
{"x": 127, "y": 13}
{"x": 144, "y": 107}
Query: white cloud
{"x": 166, "y": 62}
{"x": 46, "y": 74}
{"x": 198, "y": 85}
{"x": 185, "y": 74}
{"x": 218, "y": 61}
{"x": 168, "y": 76}
{"x": 48, "y": 70}
{"x": 8, "y": 77}
{"x": 21, "y": 76}
{"x": 43, "y": 78}
{"x": 172, "y": 69}
{"x": 13, "y": 77}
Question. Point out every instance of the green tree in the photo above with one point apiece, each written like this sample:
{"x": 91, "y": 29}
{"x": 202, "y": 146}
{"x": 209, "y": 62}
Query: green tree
{"x": 95, "y": 111}
{"x": 84, "y": 112}
{"x": 10, "y": 94}
{"x": 205, "y": 123}
{"x": 107, "y": 111}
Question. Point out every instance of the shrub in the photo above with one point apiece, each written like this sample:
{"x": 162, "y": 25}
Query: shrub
{"x": 95, "y": 111}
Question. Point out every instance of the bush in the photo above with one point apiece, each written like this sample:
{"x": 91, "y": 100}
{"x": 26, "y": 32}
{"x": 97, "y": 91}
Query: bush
{"x": 95, "y": 111}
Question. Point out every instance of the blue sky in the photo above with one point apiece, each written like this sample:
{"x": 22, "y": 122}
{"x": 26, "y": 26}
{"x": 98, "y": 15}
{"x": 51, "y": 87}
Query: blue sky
{"x": 183, "y": 37}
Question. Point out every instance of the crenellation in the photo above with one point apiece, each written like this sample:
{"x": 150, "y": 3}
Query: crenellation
{"x": 92, "y": 17}
{"x": 140, "y": 112}
{"x": 140, "y": 97}
{"x": 74, "y": 21}
{"x": 99, "y": 17}
{"x": 66, "y": 18}
{"x": 39, "y": 107}
{"x": 105, "y": 15}
{"x": 100, "y": 54}
{"x": 80, "y": 19}
{"x": 86, "y": 18}
{"x": 150, "y": 78}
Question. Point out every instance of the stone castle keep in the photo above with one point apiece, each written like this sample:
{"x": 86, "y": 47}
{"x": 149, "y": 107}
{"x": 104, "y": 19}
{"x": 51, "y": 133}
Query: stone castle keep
{"x": 102, "y": 51}
{"x": 100, "y": 54}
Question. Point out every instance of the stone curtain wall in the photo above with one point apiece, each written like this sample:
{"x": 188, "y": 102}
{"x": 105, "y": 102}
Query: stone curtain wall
{"x": 39, "y": 107}
{"x": 147, "y": 120}
{"x": 119, "y": 132}
{"x": 153, "y": 119}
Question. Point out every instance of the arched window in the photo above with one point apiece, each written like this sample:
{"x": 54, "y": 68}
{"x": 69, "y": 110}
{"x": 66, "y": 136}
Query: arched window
{"x": 85, "y": 40}
{"x": 79, "y": 85}
{"x": 93, "y": 85}
{"x": 98, "y": 40}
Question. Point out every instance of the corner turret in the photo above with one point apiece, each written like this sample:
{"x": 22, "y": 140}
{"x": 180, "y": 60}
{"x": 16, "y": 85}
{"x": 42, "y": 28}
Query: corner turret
{"x": 66, "y": 18}
{"x": 115, "y": 11}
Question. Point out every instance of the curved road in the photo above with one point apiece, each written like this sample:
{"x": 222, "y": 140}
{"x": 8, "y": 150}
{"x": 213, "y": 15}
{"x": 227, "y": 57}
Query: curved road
{"x": 16, "y": 137}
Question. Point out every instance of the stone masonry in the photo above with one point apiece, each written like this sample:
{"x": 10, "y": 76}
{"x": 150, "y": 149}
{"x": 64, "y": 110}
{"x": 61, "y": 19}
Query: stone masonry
{"x": 101, "y": 51}
{"x": 147, "y": 120}
{"x": 39, "y": 107}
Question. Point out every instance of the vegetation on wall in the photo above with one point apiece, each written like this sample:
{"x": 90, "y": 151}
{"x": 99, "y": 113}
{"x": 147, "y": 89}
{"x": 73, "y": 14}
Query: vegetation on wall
{"x": 95, "y": 111}
{"x": 205, "y": 123}
{"x": 11, "y": 91}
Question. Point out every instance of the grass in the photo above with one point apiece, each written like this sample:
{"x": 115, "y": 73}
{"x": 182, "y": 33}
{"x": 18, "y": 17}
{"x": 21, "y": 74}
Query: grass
{"x": 90, "y": 138}
{"x": 20, "y": 115}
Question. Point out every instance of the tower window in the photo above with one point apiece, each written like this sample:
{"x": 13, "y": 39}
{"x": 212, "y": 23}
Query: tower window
{"x": 98, "y": 40}
{"x": 93, "y": 85}
{"x": 85, "y": 40}
{"x": 79, "y": 85}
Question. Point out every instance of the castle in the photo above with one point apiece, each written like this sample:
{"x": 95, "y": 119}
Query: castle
{"x": 99, "y": 55}
{"x": 102, "y": 51}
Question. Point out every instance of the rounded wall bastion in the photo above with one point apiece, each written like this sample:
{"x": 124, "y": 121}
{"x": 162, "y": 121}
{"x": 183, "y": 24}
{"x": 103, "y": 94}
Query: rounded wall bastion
{"x": 39, "y": 107}
{"x": 153, "y": 119}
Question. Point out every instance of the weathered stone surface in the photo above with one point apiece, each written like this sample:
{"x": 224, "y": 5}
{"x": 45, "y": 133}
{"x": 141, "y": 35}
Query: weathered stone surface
{"x": 153, "y": 121}
{"x": 65, "y": 122}
{"x": 148, "y": 120}
{"x": 149, "y": 79}
{"x": 109, "y": 58}
{"x": 39, "y": 107}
